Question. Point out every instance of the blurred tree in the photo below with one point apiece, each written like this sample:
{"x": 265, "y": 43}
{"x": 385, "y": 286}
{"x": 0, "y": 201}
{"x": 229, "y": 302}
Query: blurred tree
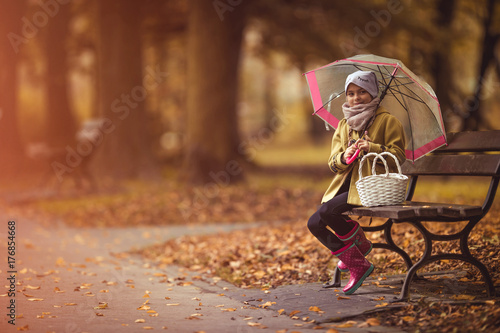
{"x": 11, "y": 147}
{"x": 441, "y": 52}
{"x": 491, "y": 36}
{"x": 316, "y": 32}
{"x": 214, "y": 41}
{"x": 125, "y": 151}
{"x": 61, "y": 125}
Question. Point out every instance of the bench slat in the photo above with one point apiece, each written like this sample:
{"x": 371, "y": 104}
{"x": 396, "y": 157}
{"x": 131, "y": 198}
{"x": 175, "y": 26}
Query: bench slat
{"x": 454, "y": 165}
{"x": 407, "y": 210}
{"x": 412, "y": 209}
{"x": 479, "y": 141}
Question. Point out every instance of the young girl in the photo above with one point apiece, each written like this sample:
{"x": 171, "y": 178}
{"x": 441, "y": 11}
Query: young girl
{"x": 370, "y": 128}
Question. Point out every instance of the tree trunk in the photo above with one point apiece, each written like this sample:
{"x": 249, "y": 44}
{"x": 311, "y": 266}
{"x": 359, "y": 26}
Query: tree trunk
{"x": 441, "y": 63}
{"x": 125, "y": 151}
{"x": 61, "y": 125}
{"x": 490, "y": 40}
{"x": 12, "y": 41}
{"x": 214, "y": 41}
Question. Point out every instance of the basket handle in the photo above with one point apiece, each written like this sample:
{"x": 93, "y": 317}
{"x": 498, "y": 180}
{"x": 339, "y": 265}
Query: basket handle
{"x": 386, "y": 169}
{"x": 373, "y": 169}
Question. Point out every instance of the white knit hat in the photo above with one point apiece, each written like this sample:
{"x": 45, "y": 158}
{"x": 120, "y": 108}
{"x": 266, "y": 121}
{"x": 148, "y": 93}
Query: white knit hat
{"x": 364, "y": 79}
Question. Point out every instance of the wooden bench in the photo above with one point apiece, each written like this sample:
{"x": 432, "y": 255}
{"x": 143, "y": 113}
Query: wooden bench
{"x": 467, "y": 154}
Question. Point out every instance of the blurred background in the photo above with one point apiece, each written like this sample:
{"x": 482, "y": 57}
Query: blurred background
{"x": 203, "y": 91}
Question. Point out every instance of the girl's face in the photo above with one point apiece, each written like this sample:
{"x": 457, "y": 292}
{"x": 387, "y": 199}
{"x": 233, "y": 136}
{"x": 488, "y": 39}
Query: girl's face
{"x": 357, "y": 95}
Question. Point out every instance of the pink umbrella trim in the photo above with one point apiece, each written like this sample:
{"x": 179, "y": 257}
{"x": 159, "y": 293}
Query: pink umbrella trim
{"x": 318, "y": 102}
{"x": 418, "y": 153}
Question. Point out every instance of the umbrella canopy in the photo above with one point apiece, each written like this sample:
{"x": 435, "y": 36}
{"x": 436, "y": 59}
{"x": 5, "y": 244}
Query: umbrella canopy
{"x": 403, "y": 94}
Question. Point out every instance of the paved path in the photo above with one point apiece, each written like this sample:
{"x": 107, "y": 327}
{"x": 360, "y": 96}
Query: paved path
{"x": 75, "y": 280}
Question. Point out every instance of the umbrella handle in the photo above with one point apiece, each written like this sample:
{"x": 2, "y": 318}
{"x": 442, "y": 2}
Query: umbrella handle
{"x": 353, "y": 157}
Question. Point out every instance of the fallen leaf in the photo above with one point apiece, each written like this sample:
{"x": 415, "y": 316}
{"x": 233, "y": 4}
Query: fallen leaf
{"x": 60, "y": 262}
{"x": 369, "y": 322}
{"x": 463, "y": 297}
{"x": 35, "y": 299}
{"x": 259, "y": 274}
{"x": 293, "y": 313}
{"x": 185, "y": 284}
{"x": 347, "y": 324}
{"x": 315, "y": 309}
{"x": 342, "y": 297}
{"x": 102, "y": 305}
{"x": 32, "y": 287}
{"x": 140, "y": 321}
{"x": 267, "y": 304}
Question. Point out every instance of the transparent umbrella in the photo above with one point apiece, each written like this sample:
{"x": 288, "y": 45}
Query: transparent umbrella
{"x": 403, "y": 94}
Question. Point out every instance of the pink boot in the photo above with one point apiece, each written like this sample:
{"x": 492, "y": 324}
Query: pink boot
{"x": 358, "y": 237}
{"x": 357, "y": 264}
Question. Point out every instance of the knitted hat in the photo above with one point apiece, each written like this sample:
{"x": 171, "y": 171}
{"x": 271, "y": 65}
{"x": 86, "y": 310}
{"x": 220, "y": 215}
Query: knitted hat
{"x": 364, "y": 79}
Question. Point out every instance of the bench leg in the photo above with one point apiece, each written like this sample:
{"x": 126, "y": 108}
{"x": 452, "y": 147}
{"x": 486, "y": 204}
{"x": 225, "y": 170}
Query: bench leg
{"x": 335, "y": 282}
{"x": 405, "y": 290}
{"x": 428, "y": 258}
{"x": 389, "y": 245}
{"x": 467, "y": 256}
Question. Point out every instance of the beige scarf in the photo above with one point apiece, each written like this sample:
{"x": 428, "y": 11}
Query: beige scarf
{"x": 359, "y": 117}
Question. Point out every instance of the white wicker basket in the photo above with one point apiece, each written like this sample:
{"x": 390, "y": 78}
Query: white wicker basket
{"x": 384, "y": 189}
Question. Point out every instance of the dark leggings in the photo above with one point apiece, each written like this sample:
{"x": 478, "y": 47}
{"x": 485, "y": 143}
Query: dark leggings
{"x": 330, "y": 214}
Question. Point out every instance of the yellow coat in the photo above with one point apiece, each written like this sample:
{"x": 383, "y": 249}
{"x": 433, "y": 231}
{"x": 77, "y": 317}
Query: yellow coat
{"x": 387, "y": 134}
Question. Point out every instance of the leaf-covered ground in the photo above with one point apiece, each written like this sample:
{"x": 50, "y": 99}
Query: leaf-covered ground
{"x": 281, "y": 250}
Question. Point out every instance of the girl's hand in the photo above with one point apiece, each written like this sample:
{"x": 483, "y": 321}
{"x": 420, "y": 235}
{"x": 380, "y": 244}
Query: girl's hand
{"x": 349, "y": 152}
{"x": 364, "y": 144}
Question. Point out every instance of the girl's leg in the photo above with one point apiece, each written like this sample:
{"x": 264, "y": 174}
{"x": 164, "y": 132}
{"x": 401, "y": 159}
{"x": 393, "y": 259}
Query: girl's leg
{"x": 331, "y": 213}
{"x": 318, "y": 228}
